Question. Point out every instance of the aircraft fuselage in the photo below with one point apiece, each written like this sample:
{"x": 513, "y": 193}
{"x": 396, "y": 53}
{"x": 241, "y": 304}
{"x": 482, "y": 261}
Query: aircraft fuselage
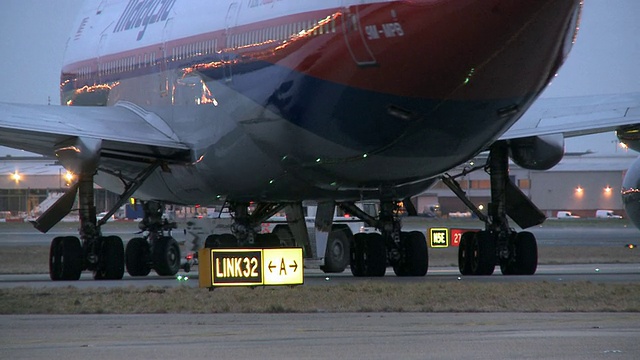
{"x": 290, "y": 100}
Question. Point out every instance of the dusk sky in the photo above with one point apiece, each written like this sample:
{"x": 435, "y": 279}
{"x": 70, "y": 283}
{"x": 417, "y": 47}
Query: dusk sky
{"x": 33, "y": 34}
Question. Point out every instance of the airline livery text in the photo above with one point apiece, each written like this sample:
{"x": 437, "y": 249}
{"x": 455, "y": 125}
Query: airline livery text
{"x": 142, "y": 13}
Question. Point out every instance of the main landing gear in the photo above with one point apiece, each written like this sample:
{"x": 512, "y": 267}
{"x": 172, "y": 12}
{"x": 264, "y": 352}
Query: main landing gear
{"x": 370, "y": 253}
{"x": 498, "y": 244}
{"x": 105, "y": 255}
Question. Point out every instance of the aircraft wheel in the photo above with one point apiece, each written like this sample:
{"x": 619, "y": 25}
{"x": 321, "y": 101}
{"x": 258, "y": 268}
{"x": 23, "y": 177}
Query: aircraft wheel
{"x": 356, "y": 251}
{"x": 508, "y": 267}
{"x": 228, "y": 241}
{"x": 111, "y": 261}
{"x": 415, "y": 257}
{"x": 465, "y": 253}
{"x": 284, "y": 235}
{"x": 336, "y": 256}
{"x": 375, "y": 255}
{"x": 212, "y": 241}
{"x": 65, "y": 258}
{"x": 268, "y": 240}
{"x": 484, "y": 254}
{"x": 526, "y": 253}
{"x": 166, "y": 256}
{"x": 221, "y": 241}
{"x": 137, "y": 257}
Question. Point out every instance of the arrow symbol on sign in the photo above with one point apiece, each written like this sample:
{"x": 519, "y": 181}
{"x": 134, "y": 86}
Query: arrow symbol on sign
{"x": 294, "y": 266}
{"x": 271, "y": 266}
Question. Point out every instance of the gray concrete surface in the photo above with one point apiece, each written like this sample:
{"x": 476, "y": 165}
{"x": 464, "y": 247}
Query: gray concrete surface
{"x": 322, "y": 336}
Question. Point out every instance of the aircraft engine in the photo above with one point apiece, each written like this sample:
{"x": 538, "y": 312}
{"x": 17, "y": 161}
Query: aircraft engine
{"x": 631, "y": 192}
{"x": 537, "y": 152}
{"x": 630, "y": 136}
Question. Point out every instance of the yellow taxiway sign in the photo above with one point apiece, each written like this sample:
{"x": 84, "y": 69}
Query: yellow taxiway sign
{"x": 250, "y": 267}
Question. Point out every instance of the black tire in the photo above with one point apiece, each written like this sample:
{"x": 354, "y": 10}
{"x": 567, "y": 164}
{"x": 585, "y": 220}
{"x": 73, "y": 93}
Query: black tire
{"x": 137, "y": 256}
{"x": 212, "y": 241}
{"x": 484, "y": 254}
{"x": 526, "y": 253}
{"x": 509, "y": 266}
{"x": 65, "y": 258}
{"x": 525, "y": 256}
{"x": 284, "y": 235}
{"x": 166, "y": 256}
{"x": 336, "y": 256}
{"x": 415, "y": 258}
{"x": 228, "y": 241}
{"x": 268, "y": 240}
{"x": 375, "y": 255}
{"x": 221, "y": 241}
{"x": 111, "y": 259}
{"x": 357, "y": 256}
{"x": 465, "y": 253}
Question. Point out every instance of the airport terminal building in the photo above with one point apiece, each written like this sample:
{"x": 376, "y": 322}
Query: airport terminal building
{"x": 580, "y": 183}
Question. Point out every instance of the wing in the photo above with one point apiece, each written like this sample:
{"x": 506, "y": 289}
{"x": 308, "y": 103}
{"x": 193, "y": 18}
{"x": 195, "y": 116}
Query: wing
{"x": 575, "y": 116}
{"x": 126, "y": 130}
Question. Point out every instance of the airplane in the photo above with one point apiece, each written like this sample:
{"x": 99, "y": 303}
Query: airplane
{"x": 270, "y": 103}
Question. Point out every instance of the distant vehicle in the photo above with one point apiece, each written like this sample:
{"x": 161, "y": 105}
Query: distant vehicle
{"x": 567, "y": 215}
{"x": 103, "y": 214}
{"x": 460, "y": 215}
{"x": 607, "y": 214}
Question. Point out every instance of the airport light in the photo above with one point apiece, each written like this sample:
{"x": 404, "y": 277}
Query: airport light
{"x": 16, "y": 177}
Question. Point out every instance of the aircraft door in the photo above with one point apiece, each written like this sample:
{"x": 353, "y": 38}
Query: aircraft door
{"x": 355, "y": 38}
{"x": 231, "y": 45}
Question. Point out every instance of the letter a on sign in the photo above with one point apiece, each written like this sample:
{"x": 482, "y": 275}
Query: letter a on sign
{"x": 291, "y": 269}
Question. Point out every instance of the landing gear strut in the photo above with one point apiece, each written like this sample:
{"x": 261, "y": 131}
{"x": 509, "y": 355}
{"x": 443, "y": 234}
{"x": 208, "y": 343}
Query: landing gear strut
{"x": 498, "y": 244}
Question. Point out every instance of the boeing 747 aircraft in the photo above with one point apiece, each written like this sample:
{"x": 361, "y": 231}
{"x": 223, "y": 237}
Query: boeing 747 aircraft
{"x": 273, "y": 102}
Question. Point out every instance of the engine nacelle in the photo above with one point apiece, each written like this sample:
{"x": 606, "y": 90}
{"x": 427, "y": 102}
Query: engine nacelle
{"x": 631, "y": 192}
{"x": 630, "y": 136}
{"x": 537, "y": 152}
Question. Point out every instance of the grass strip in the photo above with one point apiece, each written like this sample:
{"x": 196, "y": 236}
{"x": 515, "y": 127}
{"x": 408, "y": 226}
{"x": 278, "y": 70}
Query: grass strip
{"x": 368, "y": 296}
